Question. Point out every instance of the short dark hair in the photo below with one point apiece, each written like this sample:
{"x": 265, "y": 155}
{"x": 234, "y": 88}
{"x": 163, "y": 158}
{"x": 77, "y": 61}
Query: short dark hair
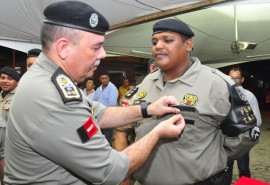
{"x": 50, "y": 33}
{"x": 150, "y": 62}
{"x": 236, "y": 68}
{"x": 90, "y": 79}
{"x": 104, "y": 73}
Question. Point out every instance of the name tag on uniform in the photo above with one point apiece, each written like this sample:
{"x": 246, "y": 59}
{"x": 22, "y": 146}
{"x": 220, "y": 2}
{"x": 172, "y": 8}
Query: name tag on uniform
{"x": 87, "y": 130}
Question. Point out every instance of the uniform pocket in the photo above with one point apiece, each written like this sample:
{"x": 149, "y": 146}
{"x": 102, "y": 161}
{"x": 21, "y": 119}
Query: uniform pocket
{"x": 188, "y": 137}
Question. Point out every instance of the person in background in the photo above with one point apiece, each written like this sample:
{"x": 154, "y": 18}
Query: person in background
{"x": 53, "y": 135}
{"x": 243, "y": 162}
{"x": 32, "y": 56}
{"x": 124, "y": 88}
{"x": 8, "y": 81}
{"x": 107, "y": 94}
{"x": 89, "y": 90}
{"x": 125, "y": 135}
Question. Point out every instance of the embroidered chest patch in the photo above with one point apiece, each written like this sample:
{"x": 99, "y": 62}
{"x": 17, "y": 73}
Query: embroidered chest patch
{"x": 189, "y": 100}
{"x": 66, "y": 87}
{"x": 141, "y": 94}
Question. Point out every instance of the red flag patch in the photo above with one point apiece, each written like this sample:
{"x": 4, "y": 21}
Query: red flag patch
{"x": 87, "y": 130}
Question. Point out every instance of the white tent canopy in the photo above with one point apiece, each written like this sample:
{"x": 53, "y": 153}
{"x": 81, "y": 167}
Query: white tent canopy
{"x": 20, "y": 46}
{"x": 214, "y": 30}
{"x": 21, "y": 20}
{"x": 20, "y": 23}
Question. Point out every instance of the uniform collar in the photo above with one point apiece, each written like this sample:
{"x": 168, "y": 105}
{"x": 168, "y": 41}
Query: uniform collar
{"x": 46, "y": 63}
{"x": 11, "y": 92}
{"x": 188, "y": 77}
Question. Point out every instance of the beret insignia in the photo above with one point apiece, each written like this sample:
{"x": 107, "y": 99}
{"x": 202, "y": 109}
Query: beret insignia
{"x": 93, "y": 20}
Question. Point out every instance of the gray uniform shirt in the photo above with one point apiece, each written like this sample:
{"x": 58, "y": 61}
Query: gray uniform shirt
{"x": 202, "y": 150}
{"x": 5, "y": 104}
{"x": 42, "y": 143}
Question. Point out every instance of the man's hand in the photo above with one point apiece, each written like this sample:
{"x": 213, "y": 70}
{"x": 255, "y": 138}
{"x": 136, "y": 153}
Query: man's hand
{"x": 162, "y": 106}
{"x": 171, "y": 128}
{"x": 140, "y": 150}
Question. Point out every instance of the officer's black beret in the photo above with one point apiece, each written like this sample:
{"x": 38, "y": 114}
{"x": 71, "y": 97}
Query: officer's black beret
{"x": 173, "y": 25}
{"x": 11, "y": 73}
{"x": 77, "y": 15}
{"x": 33, "y": 52}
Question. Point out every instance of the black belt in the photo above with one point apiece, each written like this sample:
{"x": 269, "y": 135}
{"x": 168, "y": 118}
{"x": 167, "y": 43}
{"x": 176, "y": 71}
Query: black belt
{"x": 221, "y": 178}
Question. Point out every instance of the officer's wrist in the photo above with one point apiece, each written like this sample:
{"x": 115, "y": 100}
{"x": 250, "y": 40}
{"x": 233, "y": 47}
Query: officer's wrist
{"x": 144, "y": 107}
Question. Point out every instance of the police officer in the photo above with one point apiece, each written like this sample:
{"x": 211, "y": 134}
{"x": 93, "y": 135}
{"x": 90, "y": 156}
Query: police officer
{"x": 53, "y": 134}
{"x": 8, "y": 82}
{"x": 212, "y": 104}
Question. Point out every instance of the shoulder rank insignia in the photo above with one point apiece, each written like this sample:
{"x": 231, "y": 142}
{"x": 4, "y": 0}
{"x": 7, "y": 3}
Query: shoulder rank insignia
{"x": 66, "y": 87}
{"x": 132, "y": 92}
{"x": 141, "y": 94}
{"x": 189, "y": 100}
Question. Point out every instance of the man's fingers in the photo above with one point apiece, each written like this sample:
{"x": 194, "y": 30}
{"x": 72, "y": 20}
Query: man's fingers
{"x": 175, "y": 119}
{"x": 172, "y": 110}
{"x": 171, "y": 100}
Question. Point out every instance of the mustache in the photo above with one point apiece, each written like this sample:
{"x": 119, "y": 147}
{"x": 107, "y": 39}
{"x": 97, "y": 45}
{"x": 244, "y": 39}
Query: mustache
{"x": 97, "y": 62}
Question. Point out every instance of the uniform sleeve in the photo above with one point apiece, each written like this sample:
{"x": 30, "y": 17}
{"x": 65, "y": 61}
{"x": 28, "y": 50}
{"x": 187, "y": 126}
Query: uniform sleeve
{"x": 235, "y": 147}
{"x": 255, "y": 107}
{"x": 56, "y": 138}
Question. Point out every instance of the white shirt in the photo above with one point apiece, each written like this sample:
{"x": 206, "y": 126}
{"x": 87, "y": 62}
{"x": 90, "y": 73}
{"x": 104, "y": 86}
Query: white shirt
{"x": 91, "y": 95}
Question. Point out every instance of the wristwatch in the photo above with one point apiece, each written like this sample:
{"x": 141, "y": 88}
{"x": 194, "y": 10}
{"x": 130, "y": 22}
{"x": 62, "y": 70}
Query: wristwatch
{"x": 144, "y": 106}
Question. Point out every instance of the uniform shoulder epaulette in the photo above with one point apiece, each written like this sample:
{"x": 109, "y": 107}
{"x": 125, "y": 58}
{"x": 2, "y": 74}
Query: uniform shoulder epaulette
{"x": 66, "y": 87}
{"x": 225, "y": 77}
{"x": 132, "y": 92}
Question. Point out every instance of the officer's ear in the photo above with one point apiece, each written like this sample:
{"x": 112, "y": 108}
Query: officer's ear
{"x": 151, "y": 68}
{"x": 242, "y": 79}
{"x": 189, "y": 44}
{"x": 63, "y": 47}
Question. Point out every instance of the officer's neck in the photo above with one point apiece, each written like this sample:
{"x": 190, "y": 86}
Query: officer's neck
{"x": 4, "y": 93}
{"x": 176, "y": 72}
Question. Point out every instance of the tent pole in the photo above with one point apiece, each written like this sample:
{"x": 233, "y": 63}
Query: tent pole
{"x": 235, "y": 24}
{"x": 168, "y": 13}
